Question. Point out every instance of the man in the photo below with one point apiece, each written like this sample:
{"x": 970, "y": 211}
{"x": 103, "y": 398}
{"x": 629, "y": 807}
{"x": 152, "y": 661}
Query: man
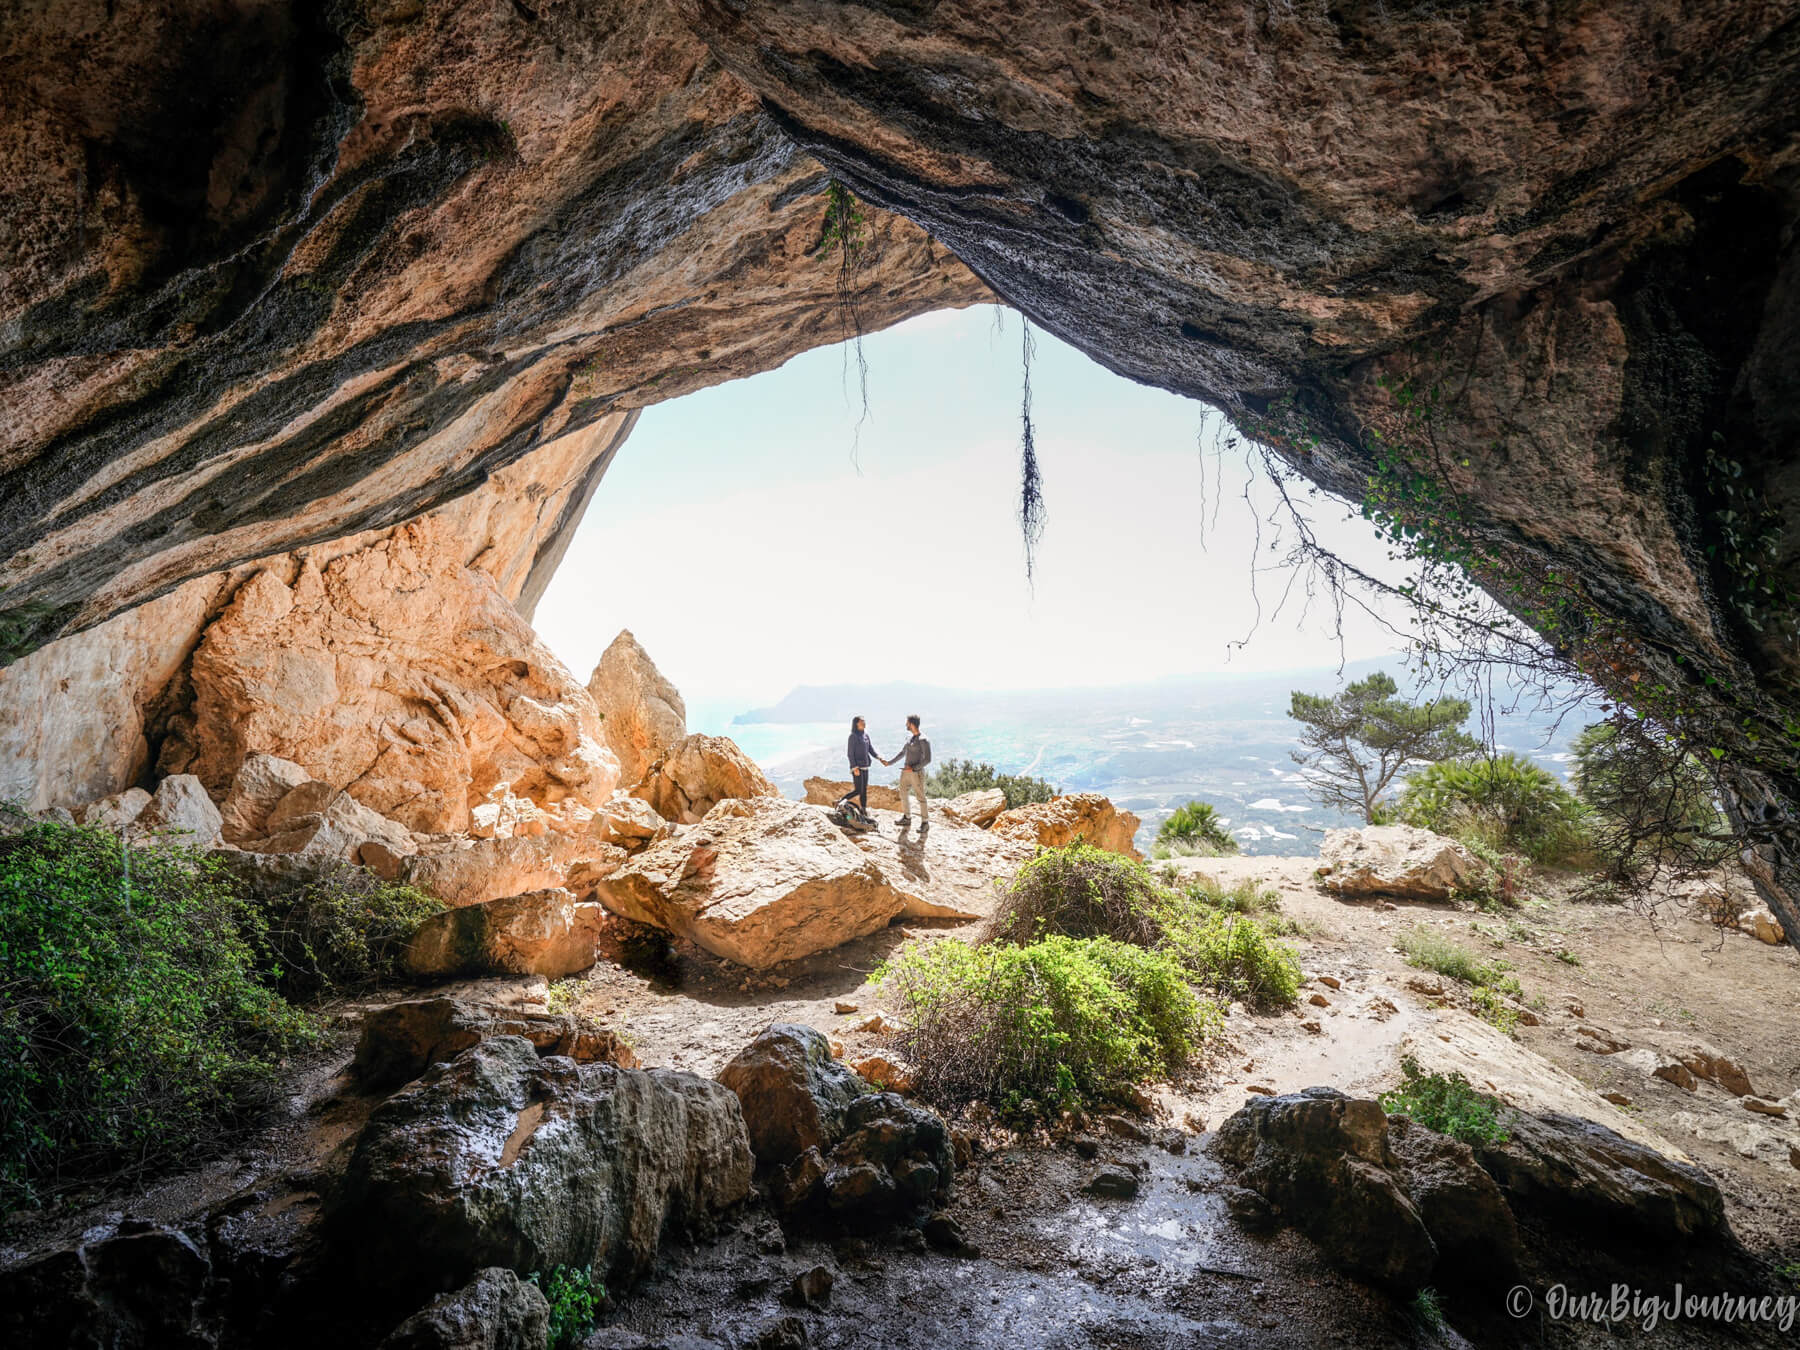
{"x": 917, "y": 754}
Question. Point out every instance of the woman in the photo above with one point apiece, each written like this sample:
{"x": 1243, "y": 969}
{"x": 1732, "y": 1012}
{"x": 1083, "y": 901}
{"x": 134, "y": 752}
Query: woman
{"x": 862, "y": 754}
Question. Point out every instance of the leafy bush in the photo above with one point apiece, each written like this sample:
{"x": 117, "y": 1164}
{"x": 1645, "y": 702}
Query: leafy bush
{"x": 959, "y": 776}
{"x": 135, "y": 1024}
{"x": 1503, "y": 802}
{"x": 1233, "y": 955}
{"x": 1082, "y": 891}
{"x": 1447, "y": 1104}
{"x": 1052, "y": 1024}
{"x": 345, "y": 928}
{"x": 1243, "y": 897}
{"x": 574, "y": 1297}
{"x": 1195, "y": 829}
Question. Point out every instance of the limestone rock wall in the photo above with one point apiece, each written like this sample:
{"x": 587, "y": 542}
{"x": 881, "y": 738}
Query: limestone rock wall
{"x": 280, "y": 274}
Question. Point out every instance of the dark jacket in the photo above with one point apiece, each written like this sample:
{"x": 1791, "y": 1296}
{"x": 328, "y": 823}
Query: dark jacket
{"x": 918, "y": 753}
{"x": 862, "y": 750}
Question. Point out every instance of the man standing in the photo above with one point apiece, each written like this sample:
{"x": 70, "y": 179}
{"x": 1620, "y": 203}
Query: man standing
{"x": 917, "y": 754}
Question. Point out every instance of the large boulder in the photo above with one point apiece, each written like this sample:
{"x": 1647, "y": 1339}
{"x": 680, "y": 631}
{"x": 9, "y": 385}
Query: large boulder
{"x": 641, "y": 712}
{"x": 494, "y": 1311}
{"x": 398, "y": 673}
{"x": 1393, "y": 860}
{"x": 763, "y": 884}
{"x": 982, "y": 807}
{"x": 180, "y": 812}
{"x": 1086, "y": 816}
{"x": 793, "y": 1093}
{"x": 692, "y": 776}
{"x": 470, "y": 871}
{"x": 1584, "y": 1177}
{"x": 629, "y": 822}
{"x": 1476, "y": 1234}
{"x": 1323, "y": 1162}
{"x": 827, "y": 791}
{"x": 257, "y": 788}
{"x": 117, "y": 812}
{"x": 545, "y": 932}
{"x": 769, "y": 880}
{"x": 503, "y": 1158}
{"x": 399, "y": 1042}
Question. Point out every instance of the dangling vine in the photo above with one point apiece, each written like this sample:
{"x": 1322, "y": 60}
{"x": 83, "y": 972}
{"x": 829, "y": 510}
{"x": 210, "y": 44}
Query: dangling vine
{"x": 1031, "y": 484}
{"x": 846, "y": 232}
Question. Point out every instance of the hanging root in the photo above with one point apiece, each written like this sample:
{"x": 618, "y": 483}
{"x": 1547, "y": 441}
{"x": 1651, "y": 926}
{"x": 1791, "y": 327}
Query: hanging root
{"x": 847, "y": 232}
{"x": 1031, "y": 483}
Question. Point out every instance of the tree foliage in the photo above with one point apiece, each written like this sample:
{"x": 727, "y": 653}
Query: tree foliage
{"x": 960, "y": 776}
{"x": 1359, "y": 740}
{"x": 1503, "y": 802}
{"x": 1195, "y": 828}
{"x": 1653, "y": 806}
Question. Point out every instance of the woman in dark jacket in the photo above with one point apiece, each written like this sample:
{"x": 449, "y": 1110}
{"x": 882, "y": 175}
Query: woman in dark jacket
{"x": 862, "y": 754}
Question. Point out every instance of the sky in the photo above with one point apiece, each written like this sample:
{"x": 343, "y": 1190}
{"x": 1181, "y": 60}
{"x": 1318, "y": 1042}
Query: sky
{"x": 753, "y": 540}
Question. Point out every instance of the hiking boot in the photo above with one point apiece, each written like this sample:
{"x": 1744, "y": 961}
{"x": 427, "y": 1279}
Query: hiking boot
{"x": 905, "y": 824}
{"x": 924, "y": 828}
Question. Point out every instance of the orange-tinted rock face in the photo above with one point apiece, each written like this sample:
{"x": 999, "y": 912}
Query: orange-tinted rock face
{"x": 282, "y": 274}
{"x": 399, "y": 675}
{"x": 367, "y": 267}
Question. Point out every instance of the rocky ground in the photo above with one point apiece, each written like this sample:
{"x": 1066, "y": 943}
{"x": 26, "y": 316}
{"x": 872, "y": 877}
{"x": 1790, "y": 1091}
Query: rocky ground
{"x": 1061, "y": 1267}
{"x": 1119, "y": 1230}
{"x": 1662, "y": 980}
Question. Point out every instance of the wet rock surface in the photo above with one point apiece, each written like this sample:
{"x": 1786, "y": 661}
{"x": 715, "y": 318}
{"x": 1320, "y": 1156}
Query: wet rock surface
{"x": 1322, "y": 1161}
{"x": 793, "y": 1093}
{"x": 494, "y": 1311}
{"x": 503, "y": 1158}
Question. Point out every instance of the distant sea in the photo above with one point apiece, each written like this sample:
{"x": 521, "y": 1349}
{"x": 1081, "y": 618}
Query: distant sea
{"x": 1225, "y": 739}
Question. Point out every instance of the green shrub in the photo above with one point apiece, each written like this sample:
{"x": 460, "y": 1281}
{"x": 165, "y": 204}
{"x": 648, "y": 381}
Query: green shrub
{"x": 1447, "y": 1104}
{"x": 1428, "y": 1308}
{"x": 574, "y": 1296}
{"x": 1430, "y": 950}
{"x": 1233, "y": 955}
{"x": 960, "y": 776}
{"x": 1243, "y": 897}
{"x": 344, "y": 929}
{"x": 1052, "y": 1024}
{"x": 1196, "y": 830}
{"x": 1082, "y": 891}
{"x": 1503, "y": 802}
{"x": 135, "y": 1024}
